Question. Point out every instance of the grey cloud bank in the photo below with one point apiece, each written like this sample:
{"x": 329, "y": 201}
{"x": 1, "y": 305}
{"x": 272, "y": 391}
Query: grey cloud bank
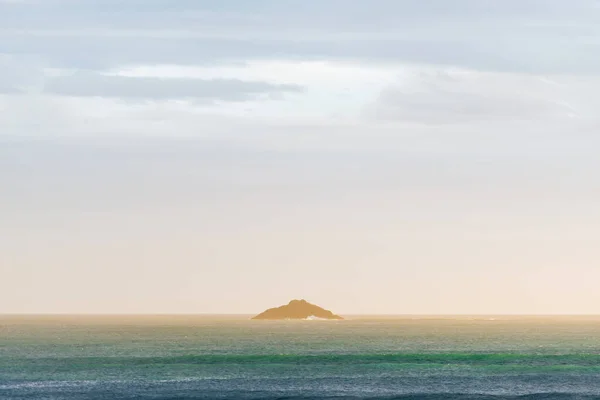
{"x": 68, "y": 48}
{"x": 455, "y": 96}
{"x": 87, "y": 84}
{"x": 526, "y": 36}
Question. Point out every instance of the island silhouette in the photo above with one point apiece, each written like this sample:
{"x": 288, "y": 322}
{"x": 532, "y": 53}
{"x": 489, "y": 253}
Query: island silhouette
{"x": 297, "y": 309}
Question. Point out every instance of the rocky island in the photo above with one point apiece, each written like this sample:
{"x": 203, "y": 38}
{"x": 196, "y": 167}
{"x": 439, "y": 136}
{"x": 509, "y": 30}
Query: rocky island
{"x": 297, "y": 309}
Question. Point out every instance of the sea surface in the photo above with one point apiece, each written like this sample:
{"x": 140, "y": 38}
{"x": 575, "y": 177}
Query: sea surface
{"x": 218, "y": 357}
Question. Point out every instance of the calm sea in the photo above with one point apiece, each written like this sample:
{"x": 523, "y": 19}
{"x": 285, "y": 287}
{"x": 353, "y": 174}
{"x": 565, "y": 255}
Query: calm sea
{"x": 194, "y": 357}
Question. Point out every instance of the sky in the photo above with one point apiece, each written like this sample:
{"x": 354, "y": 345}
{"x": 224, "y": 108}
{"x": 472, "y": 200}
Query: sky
{"x": 372, "y": 157}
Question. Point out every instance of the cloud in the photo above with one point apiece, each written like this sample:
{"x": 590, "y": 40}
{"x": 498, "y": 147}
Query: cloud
{"x": 438, "y": 95}
{"x": 528, "y": 53}
{"x": 18, "y": 73}
{"x": 403, "y": 63}
{"x": 528, "y": 36}
{"x": 301, "y": 103}
{"x": 97, "y": 85}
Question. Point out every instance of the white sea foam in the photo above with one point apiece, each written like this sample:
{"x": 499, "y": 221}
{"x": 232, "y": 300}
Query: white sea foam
{"x": 313, "y": 318}
{"x": 48, "y": 384}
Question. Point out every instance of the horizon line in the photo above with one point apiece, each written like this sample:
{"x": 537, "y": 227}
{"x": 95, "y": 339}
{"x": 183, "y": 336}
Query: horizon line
{"x": 2, "y": 314}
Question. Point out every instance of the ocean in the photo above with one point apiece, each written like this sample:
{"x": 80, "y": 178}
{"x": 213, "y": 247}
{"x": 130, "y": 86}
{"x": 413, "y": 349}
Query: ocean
{"x": 231, "y": 357}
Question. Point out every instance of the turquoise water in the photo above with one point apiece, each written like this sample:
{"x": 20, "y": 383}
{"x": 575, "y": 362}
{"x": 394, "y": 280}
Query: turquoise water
{"x": 192, "y": 357}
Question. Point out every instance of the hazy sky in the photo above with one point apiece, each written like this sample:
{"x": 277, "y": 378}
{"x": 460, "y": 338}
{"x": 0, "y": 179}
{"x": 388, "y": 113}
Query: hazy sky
{"x": 225, "y": 156}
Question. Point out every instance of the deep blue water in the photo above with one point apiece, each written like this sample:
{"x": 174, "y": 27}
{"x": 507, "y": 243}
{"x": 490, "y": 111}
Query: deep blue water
{"x": 191, "y": 357}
